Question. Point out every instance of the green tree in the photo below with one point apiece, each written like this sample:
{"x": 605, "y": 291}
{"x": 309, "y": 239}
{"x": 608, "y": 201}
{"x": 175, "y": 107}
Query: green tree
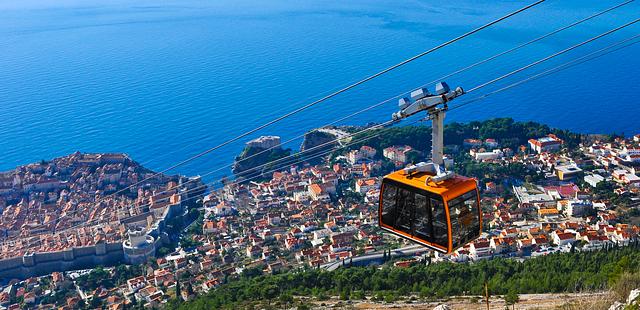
{"x": 178, "y": 291}
{"x": 512, "y": 298}
{"x": 345, "y": 294}
{"x": 286, "y": 299}
{"x": 555, "y": 273}
{"x": 389, "y": 297}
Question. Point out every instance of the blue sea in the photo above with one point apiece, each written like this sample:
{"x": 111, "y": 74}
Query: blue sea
{"x": 163, "y": 80}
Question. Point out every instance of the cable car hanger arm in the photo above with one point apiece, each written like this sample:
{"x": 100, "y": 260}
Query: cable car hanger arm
{"x": 425, "y": 101}
{"x": 436, "y": 106}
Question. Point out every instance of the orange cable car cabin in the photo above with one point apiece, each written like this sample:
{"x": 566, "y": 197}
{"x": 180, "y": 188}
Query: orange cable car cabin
{"x": 442, "y": 216}
{"x": 425, "y": 203}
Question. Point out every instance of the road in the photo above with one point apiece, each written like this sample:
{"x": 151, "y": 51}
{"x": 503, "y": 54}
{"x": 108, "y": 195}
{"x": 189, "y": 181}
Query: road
{"x": 339, "y": 134}
{"x": 366, "y": 259}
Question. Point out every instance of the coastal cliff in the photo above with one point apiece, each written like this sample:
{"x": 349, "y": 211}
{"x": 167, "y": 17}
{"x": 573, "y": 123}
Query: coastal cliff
{"x": 316, "y": 138}
{"x": 252, "y": 157}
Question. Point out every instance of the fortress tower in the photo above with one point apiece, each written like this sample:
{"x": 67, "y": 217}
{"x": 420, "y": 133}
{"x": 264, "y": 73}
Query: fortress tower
{"x": 138, "y": 247}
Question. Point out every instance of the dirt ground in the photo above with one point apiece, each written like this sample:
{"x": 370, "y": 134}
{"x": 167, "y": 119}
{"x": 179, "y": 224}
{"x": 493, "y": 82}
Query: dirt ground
{"x": 587, "y": 301}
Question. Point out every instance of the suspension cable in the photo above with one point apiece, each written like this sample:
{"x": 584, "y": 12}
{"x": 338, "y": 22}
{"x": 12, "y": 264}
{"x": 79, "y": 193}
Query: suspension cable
{"x": 439, "y": 79}
{"x": 586, "y": 58}
{"x": 609, "y": 49}
{"x": 331, "y": 95}
{"x": 547, "y": 72}
{"x": 530, "y": 42}
{"x": 525, "y": 67}
{"x": 564, "y": 66}
{"x": 589, "y": 57}
{"x": 553, "y": 55}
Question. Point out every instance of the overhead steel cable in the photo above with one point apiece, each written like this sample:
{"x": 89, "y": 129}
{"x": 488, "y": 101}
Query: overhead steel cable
{"x": 469, "y": 67}
{"x": 484, "y": 61}
{"x": 553, "y": 55}
{"x": 583, "y": 59}
{"x": 586, "y": 58}
{"x": 436, "y": 80}
{"x": 315, "y": 155}
{"x": 607, "y": 50}
{"x": 331, "y": 95}
{"x": 492, "y": 81}
{"x": 549, "y": 57}
{"x": 426, "y": 84}
{"x": 443, "y": 77}
{"x": 537, "y": 62}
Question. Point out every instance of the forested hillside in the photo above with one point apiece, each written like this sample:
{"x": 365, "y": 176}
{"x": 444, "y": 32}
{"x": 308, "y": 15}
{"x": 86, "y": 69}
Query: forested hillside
{"x": 509, "y": 132}
{"x": 567, "y": 272}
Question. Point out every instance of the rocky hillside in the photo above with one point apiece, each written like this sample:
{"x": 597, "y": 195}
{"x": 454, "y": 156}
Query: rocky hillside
{"x": 251, "y": 157}
{"x": 315, "y": 138}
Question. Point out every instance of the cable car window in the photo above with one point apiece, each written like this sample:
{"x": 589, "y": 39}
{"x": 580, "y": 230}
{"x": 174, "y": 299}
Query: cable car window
{"x": 440, "y": 229}
{"x": 405, "y": 205}
{"x": 465, "y": 222}
{"x": 389, "y": 204}
{"x": 422, "y": 224}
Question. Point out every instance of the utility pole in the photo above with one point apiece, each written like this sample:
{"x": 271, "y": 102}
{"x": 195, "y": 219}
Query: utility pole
{"x": 486, "y": 293}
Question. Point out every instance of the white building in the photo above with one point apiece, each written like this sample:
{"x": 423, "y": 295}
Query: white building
{"x": 480, "y": 250}
{"x": 265, "y": 142}
{"x": 397, "y": 153}
{"x": 561, "y": 238}
{"x": 593, "y": 179}
{"x": 493, "y": 155}
{"x": 301, "y": 196}
{"x": 577, "y": 208}
{"x": 546, "y": 144}
{"x": 625, "y": 177}
{"x": 525, "y": 195}
{"x": 365, "y": 152}
{"x": 320, "y": 234}
{"x": 595, "y": 243}
{"x": 630, "y": 155}
{"x": 221, "y": 209}
{"x": 364, "y": 185}
{"x": 567, "y": 172}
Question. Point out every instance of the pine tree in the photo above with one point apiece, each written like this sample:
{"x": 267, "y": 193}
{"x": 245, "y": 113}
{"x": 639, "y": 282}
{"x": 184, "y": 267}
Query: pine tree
{"x": 512, "y": 298}
{"x": 178, "y": 295}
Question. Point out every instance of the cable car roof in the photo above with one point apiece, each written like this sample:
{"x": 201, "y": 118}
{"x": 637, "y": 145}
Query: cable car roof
{"x": 450, "y": 188}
